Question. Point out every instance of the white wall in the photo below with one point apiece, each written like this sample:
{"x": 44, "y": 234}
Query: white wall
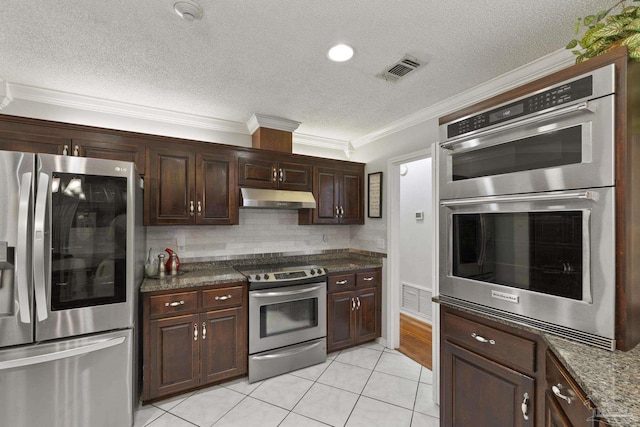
{"x": 415, "y": 235}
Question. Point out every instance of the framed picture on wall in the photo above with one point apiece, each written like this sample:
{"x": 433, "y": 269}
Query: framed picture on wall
{"x": 375, "y": 195}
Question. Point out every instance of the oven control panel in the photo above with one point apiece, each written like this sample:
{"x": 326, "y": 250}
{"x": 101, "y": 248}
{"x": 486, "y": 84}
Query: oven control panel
{"x": 557, "y": 95}
{"x": 286, "y": 276}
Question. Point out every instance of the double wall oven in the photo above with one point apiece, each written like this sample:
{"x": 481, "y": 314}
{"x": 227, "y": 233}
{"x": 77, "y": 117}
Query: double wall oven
{"x": 287, "y": 318}
{"x": 527, "y": 209}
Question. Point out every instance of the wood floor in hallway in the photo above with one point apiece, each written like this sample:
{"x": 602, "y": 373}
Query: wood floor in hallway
{"x": 415, "y": 340}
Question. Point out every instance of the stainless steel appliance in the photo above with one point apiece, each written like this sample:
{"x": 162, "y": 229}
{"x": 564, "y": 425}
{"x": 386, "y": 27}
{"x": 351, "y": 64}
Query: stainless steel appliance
{"x": 287, "y": 318}
{"x": 69, "y": 290}
{"x": 527, "y": 210}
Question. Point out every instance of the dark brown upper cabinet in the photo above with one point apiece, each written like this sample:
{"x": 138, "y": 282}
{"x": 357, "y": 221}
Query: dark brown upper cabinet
{"x": 277, "y": 170}
{"x": 187, "y": 188}
{"x": 339, "y": 194}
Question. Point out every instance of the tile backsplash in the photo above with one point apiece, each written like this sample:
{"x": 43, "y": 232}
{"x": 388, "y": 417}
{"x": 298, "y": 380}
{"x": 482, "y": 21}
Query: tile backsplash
{"x": 259, "y": 231}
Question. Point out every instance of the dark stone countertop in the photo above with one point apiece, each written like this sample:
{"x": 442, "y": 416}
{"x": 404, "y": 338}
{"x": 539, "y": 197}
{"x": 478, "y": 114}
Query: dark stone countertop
{"x": 611, "y": 379}
{"x": 220, "y": 272}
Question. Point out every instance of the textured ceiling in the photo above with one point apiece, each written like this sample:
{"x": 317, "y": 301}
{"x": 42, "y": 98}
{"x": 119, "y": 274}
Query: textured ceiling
{"x": 268, "y": 57}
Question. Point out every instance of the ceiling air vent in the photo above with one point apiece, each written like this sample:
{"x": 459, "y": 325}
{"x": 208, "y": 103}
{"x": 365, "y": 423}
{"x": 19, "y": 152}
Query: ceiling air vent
{"x": 400, "y": 69}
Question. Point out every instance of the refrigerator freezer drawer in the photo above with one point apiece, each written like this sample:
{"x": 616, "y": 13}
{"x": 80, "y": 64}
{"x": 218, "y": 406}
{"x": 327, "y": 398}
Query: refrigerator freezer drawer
{"x": 73, "y": 383}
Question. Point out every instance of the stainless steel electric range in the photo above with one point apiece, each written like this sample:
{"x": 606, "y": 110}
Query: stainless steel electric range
{"x": 287, "y": 318}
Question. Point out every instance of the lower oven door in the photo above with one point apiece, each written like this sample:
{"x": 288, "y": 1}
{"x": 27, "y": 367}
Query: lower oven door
{"x": 549, "y": 257}
{"x": 288, "y": 315}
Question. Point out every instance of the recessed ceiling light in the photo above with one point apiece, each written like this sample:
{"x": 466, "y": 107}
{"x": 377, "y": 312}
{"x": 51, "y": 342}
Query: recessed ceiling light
{"x": 340, "y": 53}
{"x": 188, "y": 11}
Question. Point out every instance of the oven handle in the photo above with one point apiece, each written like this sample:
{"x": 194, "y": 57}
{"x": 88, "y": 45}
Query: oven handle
{"x": 553, "y": 113}
{"x": 284, "y": 293}
{"x": 588, "y": 195}
{"x": 288, "y": 353}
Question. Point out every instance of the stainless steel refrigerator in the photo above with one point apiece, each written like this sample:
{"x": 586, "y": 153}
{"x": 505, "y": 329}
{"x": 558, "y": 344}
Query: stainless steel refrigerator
{"x": 69, "y": 276}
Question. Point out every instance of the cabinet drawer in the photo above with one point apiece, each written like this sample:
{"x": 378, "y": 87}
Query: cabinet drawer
{"x": 368, "y": 279}
{"x": 170, "y": 304}
{"x": 231, "y": 296}
{"x": 337, "y": 282}
{"x": 577, "y": 408}
{"x": 511, "y": 350}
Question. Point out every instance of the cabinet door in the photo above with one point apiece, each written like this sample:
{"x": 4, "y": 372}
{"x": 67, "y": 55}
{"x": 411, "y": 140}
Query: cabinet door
{"x": 553, "y": 415}
{"x": 367, "y": 315}
{"x": 254, "y": 171}
{"x": 352, "y": 198}
{"x": 294, "y": 176}
{"x": 174, "y": 355}
{"x": 216, "y": 189}
{"x": 111, "y": 151}
{"x": 480, "y": 392}
{"x": 33, "y": 144}
{"x": 340, "y": 320}
{"x": 327, "y": 196}
{"x": 224, "y": 344}
{"x": 169, "y": 188}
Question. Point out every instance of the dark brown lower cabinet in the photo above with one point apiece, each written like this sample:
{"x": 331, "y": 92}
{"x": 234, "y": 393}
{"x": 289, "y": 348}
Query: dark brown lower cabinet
{"x": 192, "y": 338}
{"x": 553, "y": 414}
{"x": 353, "y": 308}
{"x": 482, "y": 392}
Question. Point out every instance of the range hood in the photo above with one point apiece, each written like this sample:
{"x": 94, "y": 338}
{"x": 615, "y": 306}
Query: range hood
{"x": 276, "y": 199}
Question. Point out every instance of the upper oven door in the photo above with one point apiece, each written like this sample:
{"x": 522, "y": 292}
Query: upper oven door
{"x": 547, "y": 256}
{"x": 287, "y": 315}
{"x": 568, "y": 147}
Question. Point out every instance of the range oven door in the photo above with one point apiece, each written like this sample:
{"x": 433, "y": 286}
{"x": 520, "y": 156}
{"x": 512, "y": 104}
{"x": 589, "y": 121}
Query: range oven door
{"x": 546, "y": 256}
{"x": 285, "y": 316}
{"x": 567, "y": 147}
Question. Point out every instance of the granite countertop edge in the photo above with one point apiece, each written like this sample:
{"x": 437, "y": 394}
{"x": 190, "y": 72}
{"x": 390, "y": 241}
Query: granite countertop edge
{"x": 611, "y": 379}
{"x": 222, "y": 272}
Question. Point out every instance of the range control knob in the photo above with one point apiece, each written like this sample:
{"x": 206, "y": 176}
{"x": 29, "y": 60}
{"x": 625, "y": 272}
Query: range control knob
{"x": 258, "y": 277}
{"x": 312, "y": 272}
{"x": 266, "y": 277}
{"x": 319, "y": 271}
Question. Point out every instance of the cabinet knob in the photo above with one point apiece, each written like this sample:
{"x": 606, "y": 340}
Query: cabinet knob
{"x": 191, "y": 208}
{"x": 199, "y": 207}
{"x": 76, "y": 150}
{"x": 65, "y": 150}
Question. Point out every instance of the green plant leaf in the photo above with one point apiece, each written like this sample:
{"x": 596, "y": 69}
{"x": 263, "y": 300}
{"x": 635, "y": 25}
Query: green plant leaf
{"x": 633, "y": 25}
{"x": 573, "y": 43}
{"x": 629, "y": 10}
{"x": 588, "y": 20}
{"x": 576, "y": 52}
{"x": 609, "y": 30}
{"x": 635, "y": 53}
{"x": 632, "y": 41}
{"x": 602, "y": 14}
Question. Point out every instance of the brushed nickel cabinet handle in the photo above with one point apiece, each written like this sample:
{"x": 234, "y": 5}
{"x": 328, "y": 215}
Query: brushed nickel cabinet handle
{"x": 525, "y": 406}
{"x": 337, "y": 211}
{"x": 204, "y": 330}
{"x": 191, "y": 208}
{"x": 199, "y": 207}
{"x": 556, "y": 390}
{"x": 65, "y": 150}
{"x": 353, "y": 304}
{"x": 76, "y": 150}
{"x": 222, "y": 298}
{"x": 195, "y": 332}
{"x": 174, "y": 304}
{"x": 367, "y": 279}
{"x": 275, "y": 174}
{"x": 341, "y": 282}
{"x": 358, "y": 307}
{"x": 482, "y": 339}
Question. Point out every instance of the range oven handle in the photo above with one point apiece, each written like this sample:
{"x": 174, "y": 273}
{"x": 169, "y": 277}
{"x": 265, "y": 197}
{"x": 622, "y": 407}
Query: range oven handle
{"x": 558, "y": 111}
{"x": 284, "y": 293}
{"x": 588, "y": 195}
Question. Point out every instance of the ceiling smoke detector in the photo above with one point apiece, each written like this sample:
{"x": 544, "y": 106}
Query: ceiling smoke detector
{"x": 188, "y": 11}
{"x": 400, "y": 69}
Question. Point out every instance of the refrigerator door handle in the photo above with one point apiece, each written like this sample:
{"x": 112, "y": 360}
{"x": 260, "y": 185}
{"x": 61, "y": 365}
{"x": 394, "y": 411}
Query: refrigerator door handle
{"x": 39, "y": 275}
{"x": 22, "y": 247}
{"x": 63, "y": 354}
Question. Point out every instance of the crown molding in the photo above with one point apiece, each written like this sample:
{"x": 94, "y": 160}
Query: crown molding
{"x": 64, "y": 99}
{"x": 318, "y": 141}
{"x": 541, "y": 67}
{"x": 263, "y": 121}
{"x": 5, "y": 94}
